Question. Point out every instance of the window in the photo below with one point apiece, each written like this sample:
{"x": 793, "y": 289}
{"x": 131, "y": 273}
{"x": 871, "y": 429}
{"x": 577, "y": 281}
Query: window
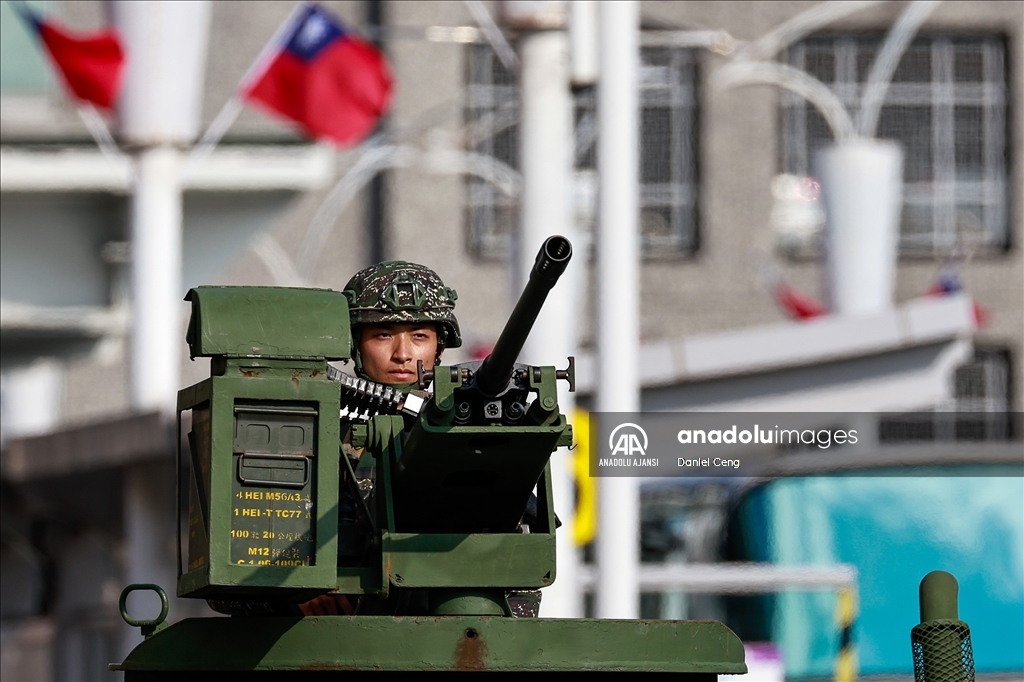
{"x": 978, "y": 411}
{"x": 947, "y": 106}
{"x": 668, "y": 154}
{"x": 492, "y": 111}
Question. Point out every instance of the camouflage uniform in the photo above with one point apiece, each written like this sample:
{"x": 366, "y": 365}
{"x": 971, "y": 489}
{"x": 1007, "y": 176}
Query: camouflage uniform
{"x": 395, "y": 292}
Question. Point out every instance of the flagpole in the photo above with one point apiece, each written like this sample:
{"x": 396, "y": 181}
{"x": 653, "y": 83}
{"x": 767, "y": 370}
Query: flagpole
{"x": 509, "y": 58}
{"x": 97, "y": 127}
{"x": 229, "y": 112}
{"x": 216, "y": 130}
{"x": 22, "y": 9}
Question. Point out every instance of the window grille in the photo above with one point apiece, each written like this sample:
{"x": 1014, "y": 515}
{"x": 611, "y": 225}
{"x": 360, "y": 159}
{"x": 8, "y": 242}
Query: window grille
{"x": 947, "y": 106}
{"x": 668, "y": 154}
{"x": 978, "y": 410}
{"x": 492, "y": 114}
{"x": 983, "y": 385}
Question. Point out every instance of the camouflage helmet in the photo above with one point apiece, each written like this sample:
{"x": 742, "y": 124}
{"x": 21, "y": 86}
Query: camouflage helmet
{"x": 396, "y": 291}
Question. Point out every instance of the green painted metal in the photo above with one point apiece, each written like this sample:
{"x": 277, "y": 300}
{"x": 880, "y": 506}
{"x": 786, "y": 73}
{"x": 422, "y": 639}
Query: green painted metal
{"x": 439, "y": 643}
{"x": 469, "y": 603}
{"x": 440, "y": 560}
{"x": 275, "y": 322}
{"x": 482, "y": 481}
{"x": 359, "y": 580}
{"x": 545, "y": 407}
{"x": 509, "y": 560}
{"x": 263, "y": 442}
{"x": 442, "y": 406}
{"x": 941, "y": 642}
{"x": 290, "y": 531}
{"x": 148, "y": 626}
{"x": 938, "y": 594}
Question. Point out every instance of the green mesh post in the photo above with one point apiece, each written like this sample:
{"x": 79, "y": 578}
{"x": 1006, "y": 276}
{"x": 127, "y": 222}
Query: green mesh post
{"x": 941, "y": 643}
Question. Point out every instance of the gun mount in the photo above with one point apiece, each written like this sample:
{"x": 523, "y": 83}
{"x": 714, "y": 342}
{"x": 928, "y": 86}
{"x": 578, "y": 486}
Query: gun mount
{"x": 425, "y": 534}
{"x": 494, "y": 390}
{"x": 484, "y": 407}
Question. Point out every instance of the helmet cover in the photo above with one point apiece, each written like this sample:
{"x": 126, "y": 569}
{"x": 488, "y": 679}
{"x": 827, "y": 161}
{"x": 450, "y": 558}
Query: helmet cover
{"x": 400, "y": 292}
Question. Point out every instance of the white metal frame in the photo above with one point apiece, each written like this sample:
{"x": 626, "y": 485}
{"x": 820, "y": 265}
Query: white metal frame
{"x": 668, "y": 191}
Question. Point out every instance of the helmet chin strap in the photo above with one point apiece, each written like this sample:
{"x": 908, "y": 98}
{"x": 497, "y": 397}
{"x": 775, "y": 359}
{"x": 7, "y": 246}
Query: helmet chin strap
{"x": 357, "y": 360}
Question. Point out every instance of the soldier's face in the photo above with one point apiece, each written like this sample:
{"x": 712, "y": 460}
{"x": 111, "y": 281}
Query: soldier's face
{"x": 390, "y": 351}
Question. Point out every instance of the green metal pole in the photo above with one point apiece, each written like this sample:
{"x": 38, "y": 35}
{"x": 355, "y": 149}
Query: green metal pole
{"x": 941, "y": 643}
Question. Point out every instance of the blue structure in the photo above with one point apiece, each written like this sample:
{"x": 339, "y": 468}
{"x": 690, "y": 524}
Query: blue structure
{"x": 895, "y": 526}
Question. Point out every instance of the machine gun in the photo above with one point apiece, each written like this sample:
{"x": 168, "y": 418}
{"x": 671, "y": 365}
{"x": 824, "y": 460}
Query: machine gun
{"x": 438, "y": 523}
{"x": 471, "y": 461}
{"x": 453, "y": 483}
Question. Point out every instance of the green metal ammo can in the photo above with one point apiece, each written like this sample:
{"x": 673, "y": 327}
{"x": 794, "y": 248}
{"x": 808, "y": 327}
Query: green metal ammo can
{"x": 263, "y": 443}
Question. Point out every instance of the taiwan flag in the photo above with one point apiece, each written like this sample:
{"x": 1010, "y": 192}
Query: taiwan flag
{"x": 332, "y": 83}
{"x": 91, "y": 65}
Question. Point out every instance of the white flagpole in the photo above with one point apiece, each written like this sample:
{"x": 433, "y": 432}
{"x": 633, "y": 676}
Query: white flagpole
{"x": 493, "y": 34}
{"x": 97, "y": 127}
{"x": 229, "y": 112}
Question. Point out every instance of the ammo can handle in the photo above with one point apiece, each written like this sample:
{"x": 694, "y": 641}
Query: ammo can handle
{"x": 283, "y": 484}
{"x": 123, "y": 605}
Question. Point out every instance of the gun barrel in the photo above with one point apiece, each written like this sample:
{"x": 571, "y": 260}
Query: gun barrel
{"x": 549, "y": 265}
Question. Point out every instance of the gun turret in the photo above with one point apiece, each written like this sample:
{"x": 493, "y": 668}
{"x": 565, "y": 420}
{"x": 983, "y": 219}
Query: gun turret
{"x": 474, "y": 455}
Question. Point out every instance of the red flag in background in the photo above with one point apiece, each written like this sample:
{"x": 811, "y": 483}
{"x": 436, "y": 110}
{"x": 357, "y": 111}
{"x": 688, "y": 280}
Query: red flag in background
{"x": 333, "y": 84}
{"x": 797, "y": 305}
{"x": 90, "y": 65}
{"x": 794, "y": 303}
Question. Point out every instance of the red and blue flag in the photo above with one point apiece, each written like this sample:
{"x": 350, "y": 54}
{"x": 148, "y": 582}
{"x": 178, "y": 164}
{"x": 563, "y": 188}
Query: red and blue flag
{"x": 947, "y": 283}
{"x": 91, "y": 66}
{"x": 326, "y": 79}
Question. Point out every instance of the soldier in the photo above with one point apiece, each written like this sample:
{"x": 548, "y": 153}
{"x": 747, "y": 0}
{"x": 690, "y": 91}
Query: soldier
{"x": 400, "y": 313}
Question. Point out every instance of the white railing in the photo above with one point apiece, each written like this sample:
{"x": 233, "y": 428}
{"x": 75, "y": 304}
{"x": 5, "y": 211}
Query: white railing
{"x": 734, "y": 578}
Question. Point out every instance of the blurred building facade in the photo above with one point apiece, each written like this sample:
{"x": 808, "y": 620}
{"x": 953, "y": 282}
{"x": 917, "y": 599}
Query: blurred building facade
{"x": 726, "y": 183}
